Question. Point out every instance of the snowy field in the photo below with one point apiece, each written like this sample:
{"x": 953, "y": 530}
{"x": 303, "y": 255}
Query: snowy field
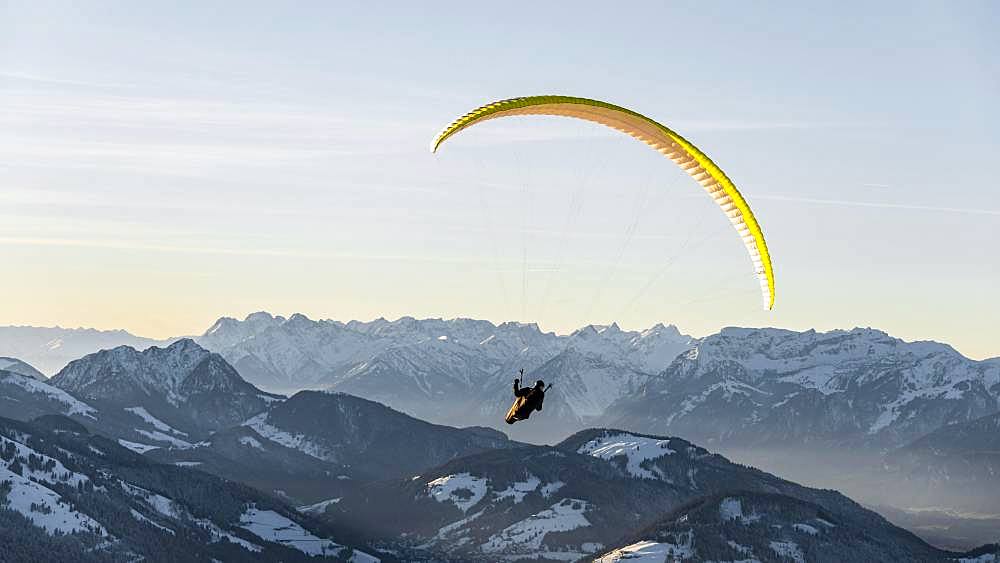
{"x": 635, "y": 449}
{"x": 136, "y": 446}
{"x": 50, "y": 511}
{"x": 293, "y": 441}
{"x": 648, "y": 552}
{"x": 464, "y": 490}
{"x": 528, "y": 534}
{"x": 271, "y": 526}
{"x": 31, "y": 385}
{"x": 156, "y": 423}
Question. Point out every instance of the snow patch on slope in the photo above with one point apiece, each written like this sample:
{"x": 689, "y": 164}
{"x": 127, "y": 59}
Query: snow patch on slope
{"x": 463, "y": 490}
{"x": 528, "y": 534}
{"x": 271, "y": 526}
{"x": 519, "y": 489}
{"x": 317, "y": 508}
{"x": 136, "y": 446}
{"x": 649, "y": 552}
{"x": 635, "y": 449}
{"x": 49, "y": 512}
{"x": 156, "y": 423}
{"x": 293, "y": 441}
{"x": 142, "y": 518}
{"x": 550, "y": 488}
{"x": 171, "y": 509}
{"x": 251, "y": 442}
{"x": 57, "y": 474}
{"x": 31, "y": 385}
{"x": 158, "y": 436}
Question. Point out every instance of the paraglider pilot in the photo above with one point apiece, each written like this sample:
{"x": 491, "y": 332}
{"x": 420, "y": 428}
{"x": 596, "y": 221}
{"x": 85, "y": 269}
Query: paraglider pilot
{"x": 526, "y": 400}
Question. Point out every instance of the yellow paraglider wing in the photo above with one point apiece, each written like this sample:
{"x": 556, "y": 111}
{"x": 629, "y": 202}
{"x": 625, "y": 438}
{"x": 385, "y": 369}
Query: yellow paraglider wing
{"x": 663, "y": 139}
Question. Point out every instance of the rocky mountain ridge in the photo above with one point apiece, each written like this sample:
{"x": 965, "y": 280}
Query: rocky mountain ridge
{"x": 182, "y": 386}
{"x": 769, "y": 386}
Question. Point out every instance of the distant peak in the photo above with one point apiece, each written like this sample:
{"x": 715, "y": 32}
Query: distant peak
{"x": 868, "y": 331}
{"x": 519, "y": 325}
{"x": 659, "y": 329}
{"x": 183, "y": 343}
{"x": 259, "y": 316}
{"x": 220, "y": 324}
{"x": 588, "y": 330}
{"x": 737, "y": 331}
{"x": 611, "y": 329}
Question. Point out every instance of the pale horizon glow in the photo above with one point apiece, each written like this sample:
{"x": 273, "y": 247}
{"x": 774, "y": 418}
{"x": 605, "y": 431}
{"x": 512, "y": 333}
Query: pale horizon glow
{"x": 163, "y": 166}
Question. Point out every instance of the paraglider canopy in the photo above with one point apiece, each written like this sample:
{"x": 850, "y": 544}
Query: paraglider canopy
{"x": 675, "y": 147}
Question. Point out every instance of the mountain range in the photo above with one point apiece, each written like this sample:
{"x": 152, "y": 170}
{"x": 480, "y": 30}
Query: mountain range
{"x": 603, "y": 488}
{"x": 852, "y": 388}
{"x": 456, "y": 371}
{"x": 183, "y": 404}
{"x": 922, "y": 414}
{"x": 50, "y": 348}
{"x": 739, "y": 387}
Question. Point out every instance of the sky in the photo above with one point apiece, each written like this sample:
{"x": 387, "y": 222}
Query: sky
{"x": 165, "y": 165}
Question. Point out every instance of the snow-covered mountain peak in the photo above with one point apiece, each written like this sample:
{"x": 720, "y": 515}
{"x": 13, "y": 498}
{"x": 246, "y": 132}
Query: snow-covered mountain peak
{"x": 263, "y": 318}
{"x": 180, "y": 346}
{"x": 760, "y": 346}
{"x": 228, "y": 331}
{"x": 298, "y": 319}
{"x": 589, "y": 331}
{"x": 659, "y": 329}
{"x": 183, "y": 384}
{"x": 49, "y": 349}
{"x": 153, "y": 370}
{"x": 610, "y": 329}
{"x": 519, "y": 326}
{"x": 221, "y": 325}
{"x": 859, "y": 384}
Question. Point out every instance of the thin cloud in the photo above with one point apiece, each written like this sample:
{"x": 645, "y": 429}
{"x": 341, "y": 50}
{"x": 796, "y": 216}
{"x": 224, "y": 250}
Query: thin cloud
{"x": 28, "y": 77}
{"x": 881, "y": 205}
{"x": 737, "y": 125}
{"x": 111, "y": 244}
{"x": 528, "y": 270}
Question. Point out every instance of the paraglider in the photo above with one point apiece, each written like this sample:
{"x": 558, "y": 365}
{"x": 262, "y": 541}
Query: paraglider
{"x": 663, "y": 139}
{"x": 526, "y": 400}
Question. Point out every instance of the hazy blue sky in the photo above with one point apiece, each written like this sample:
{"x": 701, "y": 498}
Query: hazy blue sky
{"x": 161, "y": 166}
